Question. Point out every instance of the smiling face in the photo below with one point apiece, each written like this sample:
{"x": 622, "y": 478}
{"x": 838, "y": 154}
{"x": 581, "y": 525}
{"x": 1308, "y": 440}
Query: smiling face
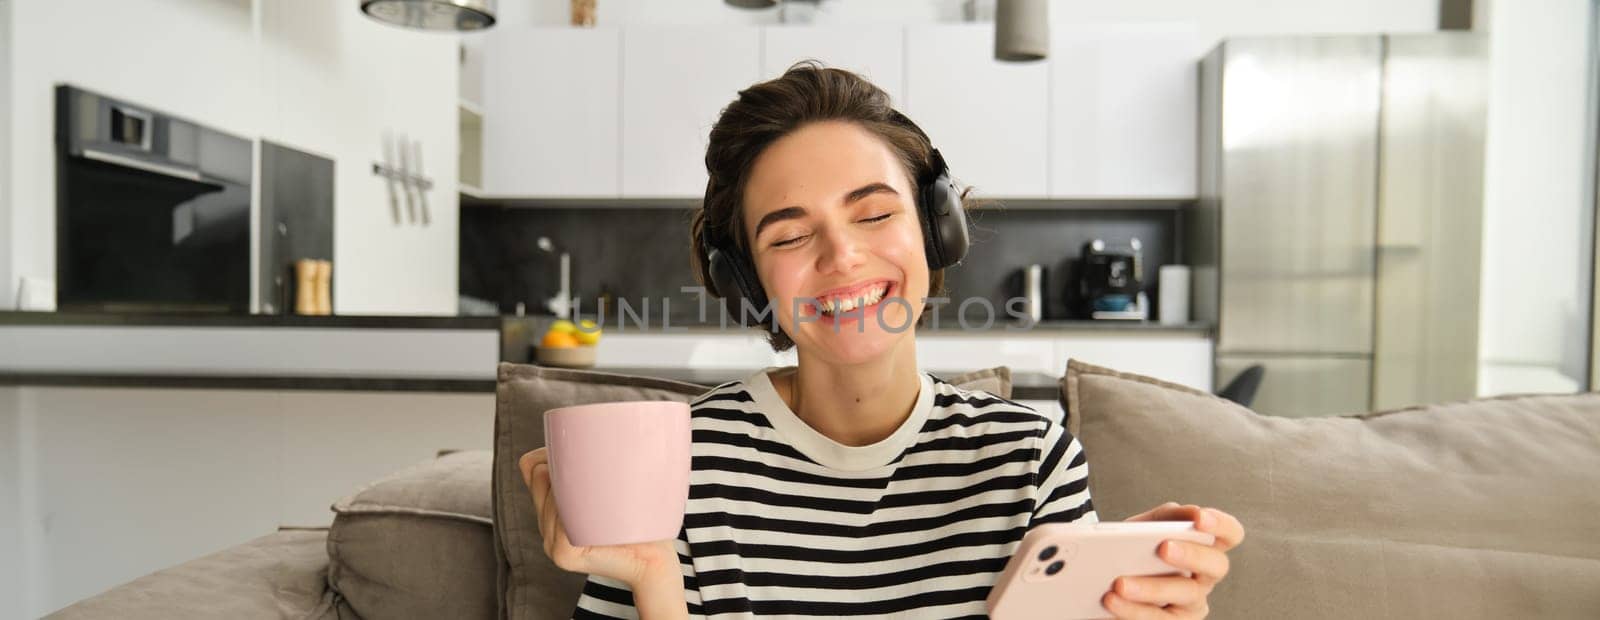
{"x": 831, "y": 216}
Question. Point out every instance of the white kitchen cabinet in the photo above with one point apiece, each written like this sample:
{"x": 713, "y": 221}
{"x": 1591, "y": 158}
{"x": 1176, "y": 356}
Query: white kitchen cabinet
{"x": 551, "y": 112}
{"x": 279, "y": 458}
{"x": 696, "y": 349}
{"x": 957, "y": 351}
{"x": 675, "y": 82}
{"x": 874, "y": 51}
{"x": 1179, "y": 357}
{"x": 1182, "y": 357}
{"x": 988, "y": 118}
{"x": 1123, "y": 109}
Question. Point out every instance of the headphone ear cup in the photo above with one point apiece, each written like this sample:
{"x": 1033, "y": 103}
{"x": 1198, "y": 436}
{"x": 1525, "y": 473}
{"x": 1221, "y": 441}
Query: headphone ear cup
{"x": 749, "y": 287}
{"x": 944, "y": 222}
{"x": 734, "y": 283}
{"x": 724, "y": 283}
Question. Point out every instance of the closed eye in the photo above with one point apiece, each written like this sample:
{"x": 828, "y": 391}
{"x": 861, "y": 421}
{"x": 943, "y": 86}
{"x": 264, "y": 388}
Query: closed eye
{"x": 793, "y": 240}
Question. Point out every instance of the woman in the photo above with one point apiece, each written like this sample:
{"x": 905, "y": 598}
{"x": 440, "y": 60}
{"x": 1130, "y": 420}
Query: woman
{"x": 853, "y": 483}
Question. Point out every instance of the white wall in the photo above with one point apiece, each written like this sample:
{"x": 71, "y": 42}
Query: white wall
{"x": 313, "y": 74}
{"x": 5, "y": 156}
{"x": 12, "y": 574}
{"x": 334, "y": 82}
{"x": 1538, "y": 221}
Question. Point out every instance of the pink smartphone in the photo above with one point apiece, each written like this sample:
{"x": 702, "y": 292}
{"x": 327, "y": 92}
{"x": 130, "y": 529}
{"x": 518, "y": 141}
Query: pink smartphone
{"x": 1062, "y": 570}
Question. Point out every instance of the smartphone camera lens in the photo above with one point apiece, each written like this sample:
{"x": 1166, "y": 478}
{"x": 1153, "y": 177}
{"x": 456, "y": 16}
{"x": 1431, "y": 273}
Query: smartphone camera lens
{"x": 1049, "y": 552}
{"x": 1054, "y": 567}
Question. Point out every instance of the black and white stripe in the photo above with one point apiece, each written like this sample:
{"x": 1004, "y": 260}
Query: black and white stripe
{"x": 770, "y": 531}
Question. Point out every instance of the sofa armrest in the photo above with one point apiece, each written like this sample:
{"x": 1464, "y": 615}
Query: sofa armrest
{"x": 280, "y": 575}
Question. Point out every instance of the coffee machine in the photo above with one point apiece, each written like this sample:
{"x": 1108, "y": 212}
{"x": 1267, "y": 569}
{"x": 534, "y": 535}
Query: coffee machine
{"x": 1110, "y": 282}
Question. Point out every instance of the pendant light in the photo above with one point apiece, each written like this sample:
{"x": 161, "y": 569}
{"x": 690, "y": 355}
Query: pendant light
{"x": 454, "y": 15}
{"x": 1021, "y": 30}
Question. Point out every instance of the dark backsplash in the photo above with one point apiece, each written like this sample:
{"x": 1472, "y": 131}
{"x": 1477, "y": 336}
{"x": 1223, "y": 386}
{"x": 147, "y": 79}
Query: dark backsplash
{"x": 633, "y": 253}
{"x": 637, "y": 253}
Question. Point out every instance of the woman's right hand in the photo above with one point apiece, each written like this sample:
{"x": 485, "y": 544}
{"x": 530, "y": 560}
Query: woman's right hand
{"x": 634, "y": 564}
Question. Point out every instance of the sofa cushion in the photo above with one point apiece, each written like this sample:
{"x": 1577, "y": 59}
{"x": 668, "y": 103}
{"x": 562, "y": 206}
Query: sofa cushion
{"x": 280, "y": 575}
{"x": 1480, "y": 509}
{"x": 532, "y": 587}
{"x": 418, "y": 543}
{"x": 996, "y": 381}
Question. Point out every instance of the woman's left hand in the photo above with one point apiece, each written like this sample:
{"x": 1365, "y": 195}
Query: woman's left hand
{"x": 1179, "y": 597}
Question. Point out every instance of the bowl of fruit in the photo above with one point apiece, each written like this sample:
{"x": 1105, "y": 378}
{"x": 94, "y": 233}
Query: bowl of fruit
{"x": 568, "y": 345}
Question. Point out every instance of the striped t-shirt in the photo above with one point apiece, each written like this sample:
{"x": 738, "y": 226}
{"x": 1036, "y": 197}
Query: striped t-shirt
{"x": 782, "y": 520}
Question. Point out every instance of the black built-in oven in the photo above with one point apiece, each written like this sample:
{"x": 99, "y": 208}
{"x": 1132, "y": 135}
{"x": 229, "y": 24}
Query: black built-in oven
{"x": 152, "y": 211}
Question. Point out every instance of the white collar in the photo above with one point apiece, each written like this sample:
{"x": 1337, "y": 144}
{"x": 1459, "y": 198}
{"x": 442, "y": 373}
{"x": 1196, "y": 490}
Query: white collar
{"x": 826, "y": 451}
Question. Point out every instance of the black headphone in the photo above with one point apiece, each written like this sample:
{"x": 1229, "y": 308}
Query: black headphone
{"x": 944, "y": 236}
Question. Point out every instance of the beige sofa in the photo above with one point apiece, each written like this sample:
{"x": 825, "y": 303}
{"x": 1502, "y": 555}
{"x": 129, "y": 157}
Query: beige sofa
{"x": 1482, "y": 509}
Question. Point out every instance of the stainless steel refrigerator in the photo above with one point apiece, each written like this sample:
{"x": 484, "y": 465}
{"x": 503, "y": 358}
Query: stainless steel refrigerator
{"x": 1335, "y": 241}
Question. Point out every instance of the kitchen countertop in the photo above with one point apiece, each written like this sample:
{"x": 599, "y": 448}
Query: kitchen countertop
{"x": 267, "y": 352}
{"x": 945, "y": 328}
{"x": 300, "y": 365}
{"x": 1024, "y": 385}
{"x": 245, "y": 382}
{"x": 8, "y": 318}
{"x": 1051, "y": 326}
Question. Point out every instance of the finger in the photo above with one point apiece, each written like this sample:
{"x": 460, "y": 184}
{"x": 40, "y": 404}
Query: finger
{"x": 528, "y": 460}
{"x": 1228, "y": 530}
{"x": 1159, "y": 591}
{"x": 1125, "y": 609}
{"x": 1208, "y": 564}
{"x": 536, "y": 475}
{"x": 544, "y": 498}
{"x": 550, "y": 522}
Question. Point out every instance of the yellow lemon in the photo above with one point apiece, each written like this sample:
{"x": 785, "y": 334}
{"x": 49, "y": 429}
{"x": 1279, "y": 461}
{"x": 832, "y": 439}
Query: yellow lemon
{"x": 588, "y": 333}
{"x": 562, "y": 326}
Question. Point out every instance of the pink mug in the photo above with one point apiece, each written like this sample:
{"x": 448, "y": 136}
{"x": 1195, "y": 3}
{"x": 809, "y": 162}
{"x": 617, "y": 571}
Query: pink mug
{"x": 620, "y": 470}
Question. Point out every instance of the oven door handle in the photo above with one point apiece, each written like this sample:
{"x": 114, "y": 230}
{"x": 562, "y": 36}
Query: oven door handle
{"x": 129, "y": 162}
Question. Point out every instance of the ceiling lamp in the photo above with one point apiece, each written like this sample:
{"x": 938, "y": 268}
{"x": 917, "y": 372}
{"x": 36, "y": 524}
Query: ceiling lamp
{"x": 1021, "y": 30}
{"x": 452, "y": 15}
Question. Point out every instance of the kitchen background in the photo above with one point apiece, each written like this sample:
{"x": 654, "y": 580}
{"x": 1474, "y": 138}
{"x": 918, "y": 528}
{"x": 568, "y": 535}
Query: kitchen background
{"x": 1381, "y": 202}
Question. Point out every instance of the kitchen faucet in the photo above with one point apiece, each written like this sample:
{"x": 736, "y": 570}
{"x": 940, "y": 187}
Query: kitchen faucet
{"x": 561, "y": 304}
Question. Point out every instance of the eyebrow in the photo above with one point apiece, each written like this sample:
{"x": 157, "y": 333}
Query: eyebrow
{"x": 797, "y": 212}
